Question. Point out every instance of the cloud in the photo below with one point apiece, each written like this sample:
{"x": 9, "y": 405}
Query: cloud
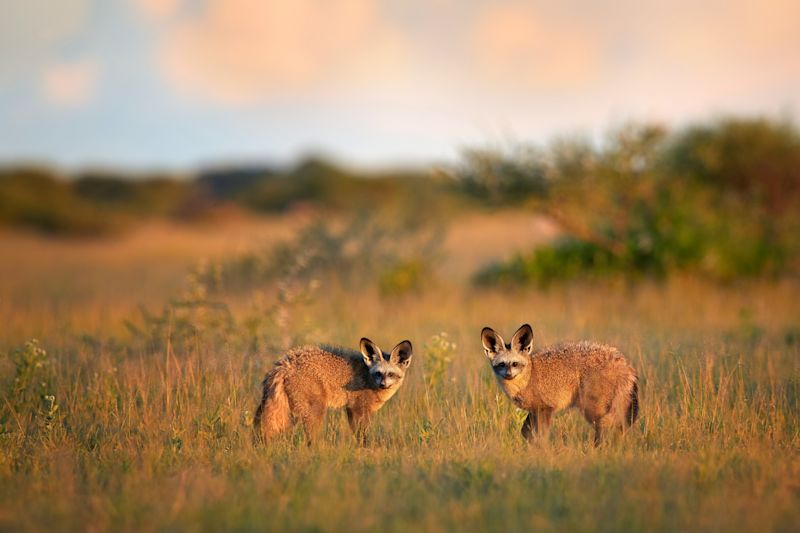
{"x": 159, "y": 10}
{"x": 244, "y": 51}
{"x": 265, "y": 51}
{"x": 686, "y": 59}
{"x": 661, "y": 60}
{"x": 739, "y": 36}
{"x": 69, "y": 84}
{"x": 516, "y": 45}
{"x": 31, "y": 29}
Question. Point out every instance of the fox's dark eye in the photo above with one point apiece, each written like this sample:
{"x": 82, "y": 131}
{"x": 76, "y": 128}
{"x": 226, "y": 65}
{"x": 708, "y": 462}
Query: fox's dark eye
{"x": 515, "y": 364}
{"x": 501, "y": 365}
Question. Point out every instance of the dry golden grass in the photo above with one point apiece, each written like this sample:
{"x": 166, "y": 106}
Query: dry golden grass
{"x": 48, "y": 285}
{"x": 153, "y": 434}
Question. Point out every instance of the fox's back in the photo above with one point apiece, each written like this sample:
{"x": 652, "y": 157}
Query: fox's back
{"x": 327, "y": 371}
{"x": 561, "y": 373}
{"x": 584, "y": 356}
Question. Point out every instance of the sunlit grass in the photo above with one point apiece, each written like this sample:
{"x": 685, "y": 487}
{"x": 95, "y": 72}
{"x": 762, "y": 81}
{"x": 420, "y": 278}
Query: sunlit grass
{"x": 148, "y": 437}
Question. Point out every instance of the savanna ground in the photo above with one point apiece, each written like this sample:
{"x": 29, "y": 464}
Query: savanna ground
{"x": 123, "y": 419}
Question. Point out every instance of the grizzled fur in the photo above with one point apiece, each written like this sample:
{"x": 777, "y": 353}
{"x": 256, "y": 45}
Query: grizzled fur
{"x": 309, "y": 380}
{"x": 593, "y": 377}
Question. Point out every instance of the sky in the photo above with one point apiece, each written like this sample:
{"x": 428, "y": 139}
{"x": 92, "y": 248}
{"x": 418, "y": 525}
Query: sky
{"x": 177, "y": 84}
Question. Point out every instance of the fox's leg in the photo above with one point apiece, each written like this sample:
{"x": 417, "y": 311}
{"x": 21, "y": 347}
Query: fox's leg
{"x": 537, "y": 424}
{"x": 598, "y": 434}
{"x": 528, "y": 427}
{"x": 312, "y": 417}
{"x": 602, "y": 425}
{"x": 359, "y": 421}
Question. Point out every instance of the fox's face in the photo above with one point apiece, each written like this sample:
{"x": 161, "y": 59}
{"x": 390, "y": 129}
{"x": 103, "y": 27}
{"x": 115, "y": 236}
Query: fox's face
{"x": 508, "y": 360}
{"x": 386, "y": 370}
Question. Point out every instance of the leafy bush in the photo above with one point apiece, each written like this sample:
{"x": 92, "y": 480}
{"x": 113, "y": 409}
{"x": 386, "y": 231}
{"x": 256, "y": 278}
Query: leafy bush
{"x": 89, "y": 205}
{"x": 757, "y": 160}
{"x": 101, "y": 201}
{"x": 362, "y": 249}
{"x": 319, "y": 183}
{"x": 35, "y": 198}
{"x": 648, "y": 203}
{"x": 498, "y": 178}
{"x": 567, "y": 258}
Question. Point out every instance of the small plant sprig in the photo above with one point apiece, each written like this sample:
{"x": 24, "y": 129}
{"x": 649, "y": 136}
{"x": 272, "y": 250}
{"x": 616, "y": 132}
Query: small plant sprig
{"x": 30, "y": 363}
{"x": 193, "y": 315}
{"x": 48, "y": 412}
{"x": 439, "y": 352}
{"x": 30, "y": 394}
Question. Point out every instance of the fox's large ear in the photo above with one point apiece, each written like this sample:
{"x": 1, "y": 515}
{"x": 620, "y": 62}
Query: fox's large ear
{"x": 522, "y": 341}
{"x": 370, "y": 351}
{"x": 492, "y": 342}
{"x": 401, "y": 354}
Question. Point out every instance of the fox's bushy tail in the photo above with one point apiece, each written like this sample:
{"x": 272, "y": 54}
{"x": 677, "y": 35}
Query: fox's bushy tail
{"x": 625, "y": 404}
{"x": 273, "y": 414}
{"x": 633, "y": 404}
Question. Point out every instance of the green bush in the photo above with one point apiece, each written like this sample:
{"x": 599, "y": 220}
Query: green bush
{"x": 757, "y": 160}
{"x": 498, "y": 178}
{"x": 566, "y": 258}
{"x": 89, "y": 205}
{"x": 711, "y": 200}
{"x": 37, "y": 199}
{"x": 404, "y": 276}
{"x": 391, "y": 253}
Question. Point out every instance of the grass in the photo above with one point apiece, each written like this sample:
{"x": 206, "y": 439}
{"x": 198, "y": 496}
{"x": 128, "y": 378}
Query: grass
{"x": 142, "y": 435}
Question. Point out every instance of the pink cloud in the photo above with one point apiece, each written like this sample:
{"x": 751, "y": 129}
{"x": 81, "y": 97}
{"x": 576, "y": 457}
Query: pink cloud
{"x": 159, "y": 10}
{"x": 243, "y": 51}
{"x": 736, "y": 36}
{"x": 517, "y": 46}
{"x": 514, "y": 60}
{"x": 69, "y": 84}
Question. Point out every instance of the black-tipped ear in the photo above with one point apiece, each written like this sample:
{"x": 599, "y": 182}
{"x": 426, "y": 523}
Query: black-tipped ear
{"x": 401, "y": 354}
{"x": 522, "y": 341}
{"x": 492, "y": 342}
{"x": 370, "y": 351}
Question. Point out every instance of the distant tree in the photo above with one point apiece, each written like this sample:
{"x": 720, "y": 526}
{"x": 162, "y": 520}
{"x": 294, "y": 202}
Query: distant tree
{"x": 756, "y": 159}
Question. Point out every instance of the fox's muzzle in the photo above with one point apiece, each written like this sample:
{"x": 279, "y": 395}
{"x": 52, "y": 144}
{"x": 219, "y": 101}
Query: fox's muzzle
{"x": 505, "y": 373}
{"x": 382, "y": 382}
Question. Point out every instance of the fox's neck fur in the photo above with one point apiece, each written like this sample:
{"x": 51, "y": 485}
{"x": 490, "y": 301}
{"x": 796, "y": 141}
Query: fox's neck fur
{"x": 383, "y": 395}
{"x": 513, "y": 387}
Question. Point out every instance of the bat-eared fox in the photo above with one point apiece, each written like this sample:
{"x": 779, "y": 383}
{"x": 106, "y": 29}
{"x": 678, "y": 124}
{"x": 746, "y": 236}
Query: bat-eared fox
{"x": 595, "y": 378}
{"x": 308, "y": 381}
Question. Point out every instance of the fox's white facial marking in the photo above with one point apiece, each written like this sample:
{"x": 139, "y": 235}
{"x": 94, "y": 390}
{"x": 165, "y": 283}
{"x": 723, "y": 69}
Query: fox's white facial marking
{"x": 386, "y": 375}
{"x": 507, "y": 366}
{"x": 509, "y": 361}
{"x": 386, "y": 370}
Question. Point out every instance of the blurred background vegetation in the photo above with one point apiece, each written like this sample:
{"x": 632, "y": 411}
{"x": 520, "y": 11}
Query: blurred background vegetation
{"x": 717, "y": 199}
